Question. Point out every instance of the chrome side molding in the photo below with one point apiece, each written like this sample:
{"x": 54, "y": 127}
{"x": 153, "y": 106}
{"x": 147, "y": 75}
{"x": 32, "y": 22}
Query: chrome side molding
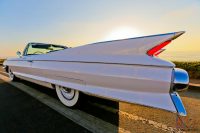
{"x": 181, "y": 80}
{"x": 178, "y": 104}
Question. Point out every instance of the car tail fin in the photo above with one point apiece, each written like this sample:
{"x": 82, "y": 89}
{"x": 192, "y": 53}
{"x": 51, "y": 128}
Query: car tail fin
{"x": 158, "y": 49}
{"x": 155, "y": 51}
{"x": 146, "y": 45}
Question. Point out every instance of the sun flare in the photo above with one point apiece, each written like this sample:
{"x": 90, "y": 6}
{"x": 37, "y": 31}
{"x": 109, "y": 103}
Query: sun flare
{"x": 122, "y": 33}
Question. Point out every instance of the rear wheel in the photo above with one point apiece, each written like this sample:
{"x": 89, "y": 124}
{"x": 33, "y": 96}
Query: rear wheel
{"x": 67, "y": 96}
{"x": 11, "y": 75}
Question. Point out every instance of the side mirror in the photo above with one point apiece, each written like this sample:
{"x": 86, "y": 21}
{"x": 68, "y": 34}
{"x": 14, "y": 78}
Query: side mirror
{"x": 19, "y": 53}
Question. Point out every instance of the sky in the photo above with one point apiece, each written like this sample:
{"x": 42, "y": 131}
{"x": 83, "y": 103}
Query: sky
{"x": 80, "y": 22}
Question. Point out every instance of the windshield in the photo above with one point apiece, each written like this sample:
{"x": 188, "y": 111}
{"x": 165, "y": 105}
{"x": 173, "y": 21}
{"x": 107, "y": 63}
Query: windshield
{"x": 34, "y": 49}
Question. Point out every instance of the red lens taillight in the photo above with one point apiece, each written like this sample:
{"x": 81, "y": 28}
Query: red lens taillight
{"x": 157, "y": 49}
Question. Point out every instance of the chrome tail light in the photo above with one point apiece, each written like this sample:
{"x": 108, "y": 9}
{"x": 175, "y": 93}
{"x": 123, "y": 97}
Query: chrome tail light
{"x": 180, "y": 80}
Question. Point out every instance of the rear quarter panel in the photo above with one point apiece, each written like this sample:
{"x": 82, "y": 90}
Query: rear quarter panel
{"x": 146, "y": 85}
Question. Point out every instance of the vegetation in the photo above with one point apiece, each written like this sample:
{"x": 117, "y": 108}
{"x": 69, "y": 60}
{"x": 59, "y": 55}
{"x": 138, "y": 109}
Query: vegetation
{"x": 1, "y": 61}
{"x": 193, "y": 68}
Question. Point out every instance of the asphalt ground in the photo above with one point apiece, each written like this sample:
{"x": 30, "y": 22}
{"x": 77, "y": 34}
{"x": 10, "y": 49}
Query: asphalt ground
{"x": 131, "y": 117}
{"x": 21, "y": 113}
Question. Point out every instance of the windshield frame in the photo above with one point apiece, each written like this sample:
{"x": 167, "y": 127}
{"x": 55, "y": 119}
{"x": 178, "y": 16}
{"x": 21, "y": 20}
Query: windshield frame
{"x": 25, "y": 52}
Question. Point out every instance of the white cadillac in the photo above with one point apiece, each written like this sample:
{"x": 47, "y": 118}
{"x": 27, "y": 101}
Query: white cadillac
{"x": 123, "y": 70}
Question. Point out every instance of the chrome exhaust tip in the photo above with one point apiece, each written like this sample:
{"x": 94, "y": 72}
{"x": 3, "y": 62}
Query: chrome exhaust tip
{"x": 181, "y": 80}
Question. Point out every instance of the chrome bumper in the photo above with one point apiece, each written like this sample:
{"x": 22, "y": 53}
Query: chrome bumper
{"x": 4, "y": 67}
{"x": 180, "y": 82}
{"x": 178, "y": 104}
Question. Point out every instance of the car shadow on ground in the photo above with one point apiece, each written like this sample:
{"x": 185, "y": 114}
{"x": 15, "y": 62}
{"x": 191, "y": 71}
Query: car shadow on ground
{"x": 88, "y": 104}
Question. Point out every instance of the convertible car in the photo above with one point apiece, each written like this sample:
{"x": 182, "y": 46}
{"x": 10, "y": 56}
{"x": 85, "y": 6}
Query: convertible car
{"x": 126, "y": 70}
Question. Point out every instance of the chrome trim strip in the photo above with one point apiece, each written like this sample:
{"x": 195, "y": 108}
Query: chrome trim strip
{"x": 95, "y": 62}
{"x": 178, "y": 104}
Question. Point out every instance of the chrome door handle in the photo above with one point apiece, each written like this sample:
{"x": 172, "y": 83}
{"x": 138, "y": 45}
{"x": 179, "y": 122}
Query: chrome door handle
{"x": 30, "y": 61}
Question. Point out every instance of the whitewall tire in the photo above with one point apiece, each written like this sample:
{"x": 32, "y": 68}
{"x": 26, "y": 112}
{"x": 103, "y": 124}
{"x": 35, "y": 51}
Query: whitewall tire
{"x": 69, "y": 97}
{"x": 11, "y": 75}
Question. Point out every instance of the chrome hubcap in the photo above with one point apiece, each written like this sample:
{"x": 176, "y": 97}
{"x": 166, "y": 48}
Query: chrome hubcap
{"x": 67, "y": 92}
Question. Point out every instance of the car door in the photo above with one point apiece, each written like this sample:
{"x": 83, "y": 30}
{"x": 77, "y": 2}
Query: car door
{"x": 21, "y": 66}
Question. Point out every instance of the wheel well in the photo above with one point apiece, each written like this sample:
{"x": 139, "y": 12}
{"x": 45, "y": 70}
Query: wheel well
{"x": 53, "y": 86}
{"x": 6, "y": 68}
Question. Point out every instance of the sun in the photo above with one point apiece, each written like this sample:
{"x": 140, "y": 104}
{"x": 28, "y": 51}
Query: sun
{"x": 122, "y": 33}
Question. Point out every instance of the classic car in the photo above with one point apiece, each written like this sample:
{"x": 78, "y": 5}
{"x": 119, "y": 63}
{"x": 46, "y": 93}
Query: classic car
{"x": 126, "y": 70}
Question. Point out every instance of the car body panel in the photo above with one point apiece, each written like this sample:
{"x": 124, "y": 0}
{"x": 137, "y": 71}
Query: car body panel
{"x": 119, "y": 70}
